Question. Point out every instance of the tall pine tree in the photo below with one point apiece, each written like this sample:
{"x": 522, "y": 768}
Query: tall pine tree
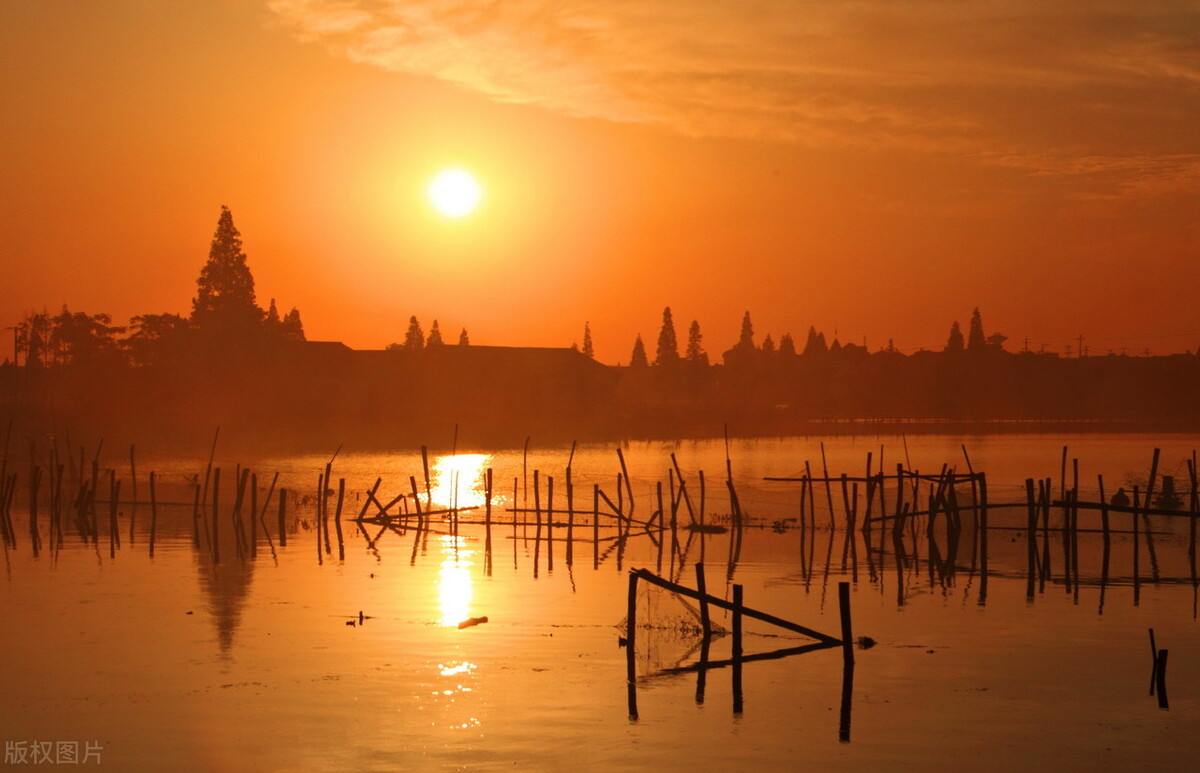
{"x": 225, "y": 289}
{"x": 976, "y": 341}
{"x": 638, "y": 358}
{"x": 667, "y": 353}
{"x": 695, "y": 349}
{"x": 746, "y": 338}
{"x": 414, "y": 338}
{"x": 435, "y": 335}
{"x": 954, "y": 343}
{"x": 588, "y": 351}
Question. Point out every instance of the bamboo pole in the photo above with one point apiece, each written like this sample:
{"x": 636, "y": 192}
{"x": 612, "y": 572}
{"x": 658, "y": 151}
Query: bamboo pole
{"x": 702, "y": 590}
{"x": 737, "y": 649}
{"x": 216, "y": 529}
{"x": 628, "y": 484}
{"x": 570, "y": 514}
{"x": 1031, "y": 539}
{"x": 487, "y": 520}
{"x": 631, "y": 643}
{"x": 847, "y": 626}
{"x": 596, "y": 526}
{"x": 153, "y": 513}
{"x": 550, "y": 523}
{"x": 282, "y": 517}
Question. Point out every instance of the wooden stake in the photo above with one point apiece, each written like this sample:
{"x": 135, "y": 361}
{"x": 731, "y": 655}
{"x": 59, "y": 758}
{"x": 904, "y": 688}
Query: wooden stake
{"x": 847, "y": 629}
{"x": 701, "y": 587}
{"x": 631, "y": 644}
{"x": 282, "y": 517}
{"x": 153, "y": 513}
{"x": 737, "y": 649}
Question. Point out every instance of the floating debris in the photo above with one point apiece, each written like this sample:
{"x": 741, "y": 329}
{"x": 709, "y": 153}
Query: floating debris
{"x": 471, "y": 621}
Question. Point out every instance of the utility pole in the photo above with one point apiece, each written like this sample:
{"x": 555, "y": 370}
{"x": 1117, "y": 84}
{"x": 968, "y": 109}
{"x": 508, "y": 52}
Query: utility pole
{"x": 1081, "y": 345}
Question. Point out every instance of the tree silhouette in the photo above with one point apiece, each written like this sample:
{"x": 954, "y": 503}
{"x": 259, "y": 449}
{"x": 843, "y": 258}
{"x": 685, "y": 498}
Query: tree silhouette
{"x": 955, "y": 342}
{"x": 33, "y": 338}
{"x": 976, "y": 341}
{"x": 695, "y": 350}
{"x": 638, "y": 358}
{"x": 667, "y": 353}
{"x": 746, "y": 339}
{"x": 272, "y": 323}
{"x": 815, "y": 344}
{"x": 414, "y": 338}
{"x": 225, "y": 289}
{"x": 157, "y": 339}
{"x": 588, "y": 351}
{"x": 435, "y": 336}
{"x": 768, "y": 344}
{"x": 462, "y": 338}
{"x": 83, "y": 339}
{"x": 292, "y": 329}
{"x": 787, "y": 347}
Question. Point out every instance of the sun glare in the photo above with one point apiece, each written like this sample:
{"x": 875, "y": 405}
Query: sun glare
{"x": 454, "y": 193}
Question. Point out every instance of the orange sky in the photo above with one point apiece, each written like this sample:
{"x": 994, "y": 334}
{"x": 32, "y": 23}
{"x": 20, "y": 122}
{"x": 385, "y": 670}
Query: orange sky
{"x": 875, "y": 168}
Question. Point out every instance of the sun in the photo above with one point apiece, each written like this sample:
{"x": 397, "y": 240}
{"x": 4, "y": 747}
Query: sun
{"x": 454, "y": 193}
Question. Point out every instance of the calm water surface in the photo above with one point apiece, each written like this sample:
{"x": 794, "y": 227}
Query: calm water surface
{"x": 186, "y": 660}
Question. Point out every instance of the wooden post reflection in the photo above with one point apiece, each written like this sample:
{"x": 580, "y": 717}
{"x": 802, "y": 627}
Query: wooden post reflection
{"x": 737, "y": 649}
{"x": 282, "y": 517}
{"x": 631, "y": 645}
{"x": 596, "y": 526}
{"x": 549, "y": 522}
{"x": 702, "y": 673}
{"x": 847, "y": 694}
{"x": 1031, "y": 539}
{"x": 487, "y": 521}
{"x": 983, "y": 540}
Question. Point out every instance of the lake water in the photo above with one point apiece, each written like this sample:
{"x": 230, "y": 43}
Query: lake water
{"x": 195, "y": 659}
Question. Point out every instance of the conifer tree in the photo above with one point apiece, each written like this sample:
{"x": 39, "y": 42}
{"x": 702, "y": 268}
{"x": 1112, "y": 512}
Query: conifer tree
{"x": 435, "y": 336}
{"x": 291, "y": 328}
{"x": 225, "y": 289}
{"x": 588, "y": 351}
{"x": 667, "y": 353}
{"x": 746, "y": 339}
{"x": 414, "y": 338}
{"x": 695, "y": 350}
{"x": 787, "y": 347}
{"x": 976, "y": 341}
{"x": 462, "y": 338}
{"x": 768, "y": 344}
{"x": 816, "y": 342}
{"x": 638, "y": 358}
{"x": 955, "y": 342}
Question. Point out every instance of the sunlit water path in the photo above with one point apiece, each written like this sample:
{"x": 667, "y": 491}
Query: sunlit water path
{"x": 195, "y": 659}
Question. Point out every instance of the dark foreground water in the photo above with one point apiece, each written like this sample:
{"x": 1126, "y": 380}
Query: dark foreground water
{"x": 219, "y": 660}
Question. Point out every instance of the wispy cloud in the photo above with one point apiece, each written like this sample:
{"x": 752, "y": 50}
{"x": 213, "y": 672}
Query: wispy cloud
{"x": 1019, "y": 80}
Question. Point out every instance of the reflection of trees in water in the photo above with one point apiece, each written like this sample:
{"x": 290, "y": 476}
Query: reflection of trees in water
{"x": 224, "y": 578}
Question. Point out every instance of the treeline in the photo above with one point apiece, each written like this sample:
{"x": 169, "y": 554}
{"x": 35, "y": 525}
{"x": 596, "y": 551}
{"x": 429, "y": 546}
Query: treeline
{"x": 225, "y": 319}
{"x": 746, "y": 352}
{"x": 778, "y": 387}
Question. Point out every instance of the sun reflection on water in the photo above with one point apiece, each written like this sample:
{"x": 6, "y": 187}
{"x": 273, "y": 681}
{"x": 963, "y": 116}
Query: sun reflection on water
{"x": 454, "y": 581}
{"x": 458, "y": 481}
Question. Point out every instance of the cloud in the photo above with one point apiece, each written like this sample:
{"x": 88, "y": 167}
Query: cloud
{"x": 1013, "y": 79}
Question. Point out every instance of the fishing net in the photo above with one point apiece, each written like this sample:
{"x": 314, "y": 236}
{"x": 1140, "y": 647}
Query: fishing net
{"x": 669, "y": 631}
